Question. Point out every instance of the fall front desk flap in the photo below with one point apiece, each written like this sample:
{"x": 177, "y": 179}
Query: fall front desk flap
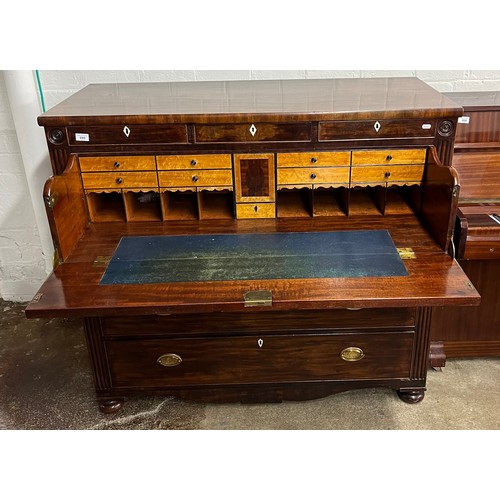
{"x": 232, "y": 257}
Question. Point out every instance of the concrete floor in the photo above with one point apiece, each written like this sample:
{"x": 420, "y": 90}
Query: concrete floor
{"x": 46, "y": 383}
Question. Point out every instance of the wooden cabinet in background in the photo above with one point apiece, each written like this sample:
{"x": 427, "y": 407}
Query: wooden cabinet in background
{"x": 472, "y": 332}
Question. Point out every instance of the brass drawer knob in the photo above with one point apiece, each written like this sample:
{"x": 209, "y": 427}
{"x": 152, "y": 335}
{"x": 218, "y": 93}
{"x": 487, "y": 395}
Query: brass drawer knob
{"x": 313, "y": 176}
{"x": 193, "y": 162}
{"x": 314, "y": 160}
{"x": 352, "y": 354}
{"x": 194, "y": 178}
{"x": 387, "y": 175}
{"x": 169, "y": 360}
{"x": 116, "y": 164}
{"x": 388, "y": 158}
{"x": 119, "y": 180}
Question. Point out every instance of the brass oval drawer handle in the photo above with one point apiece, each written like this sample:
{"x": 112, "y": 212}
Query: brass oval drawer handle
{"x": 169, "y": 360}
{"x": 119, "y": 180}
{"x": 352, "y": 354}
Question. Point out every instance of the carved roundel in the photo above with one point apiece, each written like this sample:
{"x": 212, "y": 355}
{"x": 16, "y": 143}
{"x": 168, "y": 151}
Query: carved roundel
{"x": 56, "y": 136}
{"x": 445, "y": 128}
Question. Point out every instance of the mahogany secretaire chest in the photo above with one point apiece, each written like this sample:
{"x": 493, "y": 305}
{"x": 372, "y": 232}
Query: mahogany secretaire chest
{"x": 253, "y": 241}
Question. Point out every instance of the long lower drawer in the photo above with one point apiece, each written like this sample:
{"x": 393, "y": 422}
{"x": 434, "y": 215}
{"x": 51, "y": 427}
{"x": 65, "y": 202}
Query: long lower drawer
{"x": 258, "y": 359}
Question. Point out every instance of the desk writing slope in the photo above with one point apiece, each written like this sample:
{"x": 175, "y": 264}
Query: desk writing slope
{"x": 197, "y": 193}
{"x": 167, "y": 259}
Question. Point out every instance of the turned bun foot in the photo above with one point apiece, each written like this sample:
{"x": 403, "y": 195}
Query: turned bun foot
{"x": 110, "y": 405}
{"x": 411, "y": 396}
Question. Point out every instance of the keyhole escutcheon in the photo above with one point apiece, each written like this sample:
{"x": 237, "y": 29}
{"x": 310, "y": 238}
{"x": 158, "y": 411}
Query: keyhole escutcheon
{"x": 260, "y": 342}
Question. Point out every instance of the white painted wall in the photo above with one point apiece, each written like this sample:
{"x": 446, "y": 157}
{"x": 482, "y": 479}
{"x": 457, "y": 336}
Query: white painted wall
{"x": 22, "y": 268}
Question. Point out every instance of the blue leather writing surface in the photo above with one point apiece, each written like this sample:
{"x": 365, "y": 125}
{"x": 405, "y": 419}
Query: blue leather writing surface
{"x": 230, "y": 257}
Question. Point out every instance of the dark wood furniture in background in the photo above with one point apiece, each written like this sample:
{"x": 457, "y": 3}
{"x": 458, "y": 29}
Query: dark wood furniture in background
{"x": 255, "y": 157}
{"x": 475, "y": 331}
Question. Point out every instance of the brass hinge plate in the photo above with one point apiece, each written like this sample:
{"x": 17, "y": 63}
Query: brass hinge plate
{"x": 256, "y": 298}
{"x": 406, "y": 253}
{"x": 51, "y": 200}
{"x": 101, "y": 261}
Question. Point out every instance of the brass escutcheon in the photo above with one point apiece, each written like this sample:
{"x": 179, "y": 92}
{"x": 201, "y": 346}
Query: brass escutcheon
{"x": 169, "y": 360}
{"x": 352, "y": 354}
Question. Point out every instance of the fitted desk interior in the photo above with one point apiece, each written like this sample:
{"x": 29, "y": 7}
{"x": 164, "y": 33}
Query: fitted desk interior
{"x": 311, "y": 219}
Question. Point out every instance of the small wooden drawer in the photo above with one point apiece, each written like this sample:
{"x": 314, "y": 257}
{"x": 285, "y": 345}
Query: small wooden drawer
{"x": 375, "y": 129}
{"x": 201, "y": 178}
{"x": 187, "y": 162}
{"x": 254, "y": 132}
{"x": 314, "y": 159}
{"x": 116, "y": 163}
{"x": 301, "y": 176}
{"x": 390, "y": 174}
{"x": 389, "y": 157}
{"x": 255, "y": 210}
{"x": 119, "y": 180}
{"x": 258, "y": 359}
{"x": 127, "y": 134}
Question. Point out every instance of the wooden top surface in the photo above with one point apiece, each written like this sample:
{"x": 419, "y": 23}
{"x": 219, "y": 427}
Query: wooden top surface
{"x": 271, "y": 100}
{"x": 73, "y": 289}
{"x": 481, "y": 100}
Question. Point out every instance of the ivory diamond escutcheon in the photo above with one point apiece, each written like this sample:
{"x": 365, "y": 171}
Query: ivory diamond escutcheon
{"x": 253, "y": 130}
{"x": 377, "y": 126}
{"x": 126, "y": 131}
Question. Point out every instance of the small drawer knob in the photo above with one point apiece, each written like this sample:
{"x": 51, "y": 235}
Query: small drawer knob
{"x": 119, "y": 180}
{"x": 313, "y": 176}
{"x": 194, "y": 178}
{"x": 387, "y": 175}
{"x": 169, "y": 360}
{"x": 314, "y": 160}
{"x": 388, "y": 158}
{"x": 116, "y": 164}
{"x": 352, "y": 354}
{"x": 193, "y": 162}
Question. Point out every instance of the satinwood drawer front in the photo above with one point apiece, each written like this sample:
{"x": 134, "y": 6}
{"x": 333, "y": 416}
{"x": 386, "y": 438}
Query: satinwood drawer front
{"x": 119, "y": 180}
{"x": 182, "y": 178}
{"x": 255, "y": 210}
{"x": 116, "y": 163}
{"x": 372, "y": 129}
{"x": 339, "y": 175}
{"x": 127, "y": 134}
{"x": 186, "y": 162}
{"x": 253, "y": 132}
{"x": 389, "y": 157}
{"x": 389, "y": 174}
{"x": 256, "y": 359}
{"x": 314, "y": 159}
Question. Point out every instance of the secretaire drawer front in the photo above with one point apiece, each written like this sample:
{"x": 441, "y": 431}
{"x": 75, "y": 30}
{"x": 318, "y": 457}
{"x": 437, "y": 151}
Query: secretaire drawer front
{"x": 116, "y": 163}
{"x": 187, "y": 162}
{"x": 389, "y": 157}
{"x": 290, "y": 176}
{"x": 183, "y": 178}
{"x": 253, "y": 132}
{"x": 390, "y": 174}
{"x": 375, "y": 129}
{"x": 119, "y": 180}
{"x": 249, "y": 359}
{"x": 255, "y": 210}
{"x": 127, "y": 134}
{"x": 314, "y": 159}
